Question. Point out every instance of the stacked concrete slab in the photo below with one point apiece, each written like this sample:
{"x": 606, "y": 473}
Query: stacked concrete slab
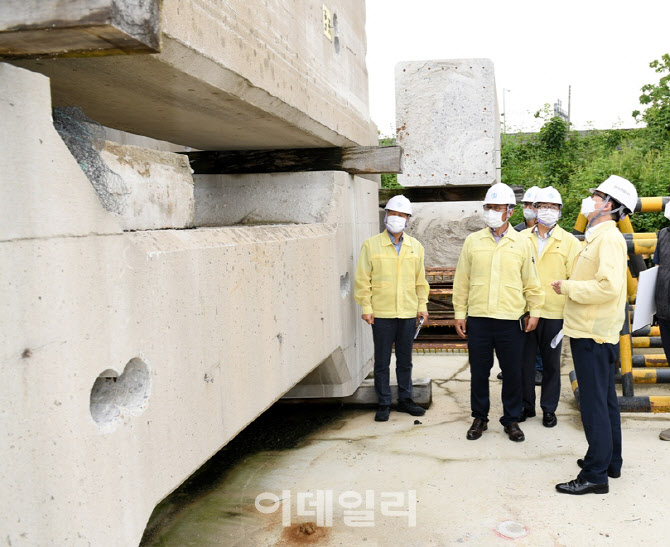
{"x": 136, "y": 344}
{"x": 448, "y": 125}
{"x": 231, "y": 76}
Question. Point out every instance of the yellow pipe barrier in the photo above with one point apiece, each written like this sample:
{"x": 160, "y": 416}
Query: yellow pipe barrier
{"x": 651, "y": 204}
{"x": 580, "y": 224}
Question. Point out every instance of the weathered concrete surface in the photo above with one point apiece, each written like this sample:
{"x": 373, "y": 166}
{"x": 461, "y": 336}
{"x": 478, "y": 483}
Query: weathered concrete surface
{"x": 224, "y": 200}
{"x": 465, "y": 489}
{"x": 442, "y": 228}
{"x": 232, "y": 75}
{"x": 34, "y": 27}
{"x": 447, "y": 122}
{"x": 130, "y": 358}
{"x": 160, "y": 184}
{"x": 36, "y": 202}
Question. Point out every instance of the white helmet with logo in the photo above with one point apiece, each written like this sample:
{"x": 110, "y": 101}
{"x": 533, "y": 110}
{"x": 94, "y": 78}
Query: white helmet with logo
{"x": 500, "y": 194}
{"x": 530, "y": 195}
{"x": 548, "y": 195}
{"x": 621, "y": 190}
{"x": 399, "y": 203}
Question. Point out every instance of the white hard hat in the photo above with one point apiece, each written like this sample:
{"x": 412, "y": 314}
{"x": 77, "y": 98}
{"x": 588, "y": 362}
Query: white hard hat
{"x": 529, "y": 196}
{"x": 621, "y": 190}
{"x": 500, "y": 194}
{"x": 399, "y": 203}
{"x": 548, "y": 195}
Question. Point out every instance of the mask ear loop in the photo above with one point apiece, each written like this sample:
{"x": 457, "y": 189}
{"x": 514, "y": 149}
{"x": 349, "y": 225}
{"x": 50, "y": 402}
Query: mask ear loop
{"x": 600, "y": 213}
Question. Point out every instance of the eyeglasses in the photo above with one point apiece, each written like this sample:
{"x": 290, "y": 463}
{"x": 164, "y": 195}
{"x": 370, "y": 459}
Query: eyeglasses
{"x": 600, "y": 195}
{"x": 549, "y": 207}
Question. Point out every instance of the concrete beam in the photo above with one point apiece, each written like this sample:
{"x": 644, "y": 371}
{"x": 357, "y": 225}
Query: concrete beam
{"x": 34, "y": 28}
{"x": 231, "y": 75}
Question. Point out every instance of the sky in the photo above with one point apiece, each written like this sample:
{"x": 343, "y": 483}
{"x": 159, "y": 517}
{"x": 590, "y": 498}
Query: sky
{"x": 602, "y": 49}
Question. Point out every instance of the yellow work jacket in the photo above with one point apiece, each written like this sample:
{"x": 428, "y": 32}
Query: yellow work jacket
{"x": 390, "y": 284}
{"x": 596, "y": 291}
{"x": 496, "y": 280}
{"x": 558, "y": 256}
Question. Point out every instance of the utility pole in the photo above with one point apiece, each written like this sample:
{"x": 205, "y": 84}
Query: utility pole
{"x": 569, "y": 95}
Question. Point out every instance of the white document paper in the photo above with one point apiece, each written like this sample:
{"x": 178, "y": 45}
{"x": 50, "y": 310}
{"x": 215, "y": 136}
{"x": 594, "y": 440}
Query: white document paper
{"x": 556, "y": 339}
{"x": 645, "y": 304}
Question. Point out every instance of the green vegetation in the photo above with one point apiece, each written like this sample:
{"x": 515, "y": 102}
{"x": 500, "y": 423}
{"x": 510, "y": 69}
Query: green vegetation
{"x": 574, "y": 161}
{"x": 389, "y": 180}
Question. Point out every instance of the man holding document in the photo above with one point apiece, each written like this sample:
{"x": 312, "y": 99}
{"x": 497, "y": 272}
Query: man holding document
{"x": 554, "y": 250}
{"x": 593, "y": 317}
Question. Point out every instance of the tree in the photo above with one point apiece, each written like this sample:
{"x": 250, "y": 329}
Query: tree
{"x": 657, "y": 99}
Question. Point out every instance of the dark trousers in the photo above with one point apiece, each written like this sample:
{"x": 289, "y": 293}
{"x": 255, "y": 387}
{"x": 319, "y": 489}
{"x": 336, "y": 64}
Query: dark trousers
{"x": 384, "y": 333}
{"x": 540, "y": 339}
{"x": 664, "y": 326}
{"x": 599, "y": 407}
{"x": 505, "y": 337}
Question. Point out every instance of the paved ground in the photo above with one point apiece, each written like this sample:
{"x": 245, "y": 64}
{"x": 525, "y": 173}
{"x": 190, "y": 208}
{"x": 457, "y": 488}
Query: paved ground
{"x": 467, "y": 492}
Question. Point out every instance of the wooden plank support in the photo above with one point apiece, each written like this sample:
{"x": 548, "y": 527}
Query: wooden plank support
{"x": 357, "y": 160}
{"x": 78, "y": 28}
{"x": 438, "y": 193}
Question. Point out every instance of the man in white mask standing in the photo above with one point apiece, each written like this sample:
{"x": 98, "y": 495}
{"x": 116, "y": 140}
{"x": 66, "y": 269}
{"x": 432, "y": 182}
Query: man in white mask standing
{"x": 554, "y": 250}
{"x": 392, "y": 290}
{"x": 529, "y": 213}
{"x": 495, "y": 281}
{"x": 595, "y": 300}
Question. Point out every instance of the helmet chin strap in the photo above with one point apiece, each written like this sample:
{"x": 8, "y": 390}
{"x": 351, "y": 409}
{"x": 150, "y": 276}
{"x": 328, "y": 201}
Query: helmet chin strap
{"x": 600, "y": 213}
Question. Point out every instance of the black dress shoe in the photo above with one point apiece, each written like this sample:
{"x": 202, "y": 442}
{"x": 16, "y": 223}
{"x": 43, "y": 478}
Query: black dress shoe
{"x": 610, "y": 474}
{"x": 476, "y": 429}
{"x": 499, "y": 376}
{"x": 382, "y": 414}
{"x": 549, "y": 419}
{"x": 409, "y": 406}
{"x": 514, "y": 433}
{"x": 527, "y": 413}
{"x": 579, "y": 486}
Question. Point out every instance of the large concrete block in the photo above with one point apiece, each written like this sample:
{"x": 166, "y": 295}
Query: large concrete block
{"x": 447, "y": 122}
{"x": 442, "y": 227}
{"x": 43, "y": 191}
{"x": 232, "y": 75}
{"x": 160, "y": 186}
{"x": 130, "y": 358}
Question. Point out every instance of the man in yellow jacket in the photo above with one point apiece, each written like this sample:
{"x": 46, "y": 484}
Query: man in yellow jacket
{"x": 554, "y": 250}
{"x": 392, "y": 290}
{"x": 593, "y": 317}
{"x": 496, "y": 279}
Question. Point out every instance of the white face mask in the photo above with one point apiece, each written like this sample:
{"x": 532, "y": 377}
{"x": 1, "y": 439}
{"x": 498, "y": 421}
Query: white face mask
{"x": 529, "y": 214}
{"x": 493, "y": 218}
{"x": 666, "y": 212}
{"x": 395, "y": 224}
{"x": 548, "y": 217}
{"x": 588, "y": 206}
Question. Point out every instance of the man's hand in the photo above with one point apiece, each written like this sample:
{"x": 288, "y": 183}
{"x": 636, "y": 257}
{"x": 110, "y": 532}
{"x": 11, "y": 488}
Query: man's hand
{"x": 531, "y": 323}
{"x": 460, "y": 327}
{"x": 556, "y": 285}
{"x": 423, "y": 314}
{"x": 369, "y": 318}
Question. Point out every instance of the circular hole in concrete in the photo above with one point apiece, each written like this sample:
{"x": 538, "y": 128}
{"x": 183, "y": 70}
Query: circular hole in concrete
{"x": 117, "y": 398}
